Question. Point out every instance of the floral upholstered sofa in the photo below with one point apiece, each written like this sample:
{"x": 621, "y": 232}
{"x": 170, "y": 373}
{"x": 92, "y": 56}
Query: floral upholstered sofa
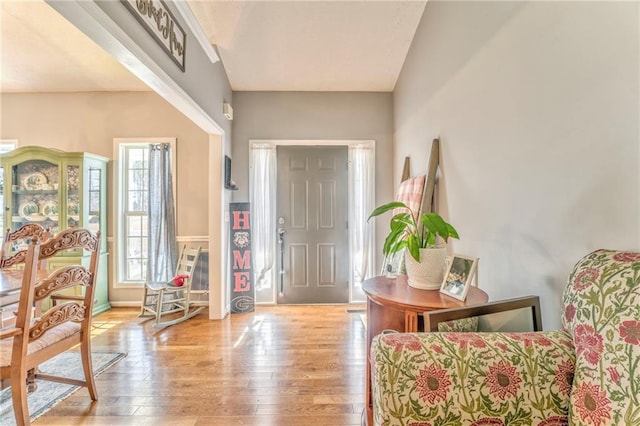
{"x": 586, "y": 374}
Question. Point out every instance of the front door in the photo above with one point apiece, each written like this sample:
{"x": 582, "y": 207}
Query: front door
{"x": 312, "y": 212}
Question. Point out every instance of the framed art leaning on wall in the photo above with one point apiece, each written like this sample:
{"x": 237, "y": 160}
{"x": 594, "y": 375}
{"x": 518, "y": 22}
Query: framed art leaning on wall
{"x": 460, "y": 273}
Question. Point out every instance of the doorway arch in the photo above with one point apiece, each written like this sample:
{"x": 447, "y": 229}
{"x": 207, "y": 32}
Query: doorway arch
{"x": 99, "y": 26}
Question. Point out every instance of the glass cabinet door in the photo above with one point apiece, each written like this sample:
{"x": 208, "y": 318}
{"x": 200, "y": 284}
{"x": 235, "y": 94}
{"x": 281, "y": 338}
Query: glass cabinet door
{"x": 34, "y": 194}
{"x": 73, "y": 196}
{"x": 95, "y": 196}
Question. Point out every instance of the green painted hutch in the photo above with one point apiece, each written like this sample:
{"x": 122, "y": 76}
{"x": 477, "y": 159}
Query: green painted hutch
{"x": 58, "y": 190}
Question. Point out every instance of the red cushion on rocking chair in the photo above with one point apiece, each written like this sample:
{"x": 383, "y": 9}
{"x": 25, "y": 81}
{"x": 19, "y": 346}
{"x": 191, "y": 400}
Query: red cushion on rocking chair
{"x": 178, "y": 280}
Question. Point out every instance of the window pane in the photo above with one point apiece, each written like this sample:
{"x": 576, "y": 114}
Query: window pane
{"x": 134, "y": 248}
{"x": 138, "y": 157}
{"x": 134, "y": 227}
{"x": 136, "y": 270}
{"x": 136, "y": 213}
{"x": 138, "y": 179}
{"x": 137, "y": 247}
{"x": 137, "y": 201}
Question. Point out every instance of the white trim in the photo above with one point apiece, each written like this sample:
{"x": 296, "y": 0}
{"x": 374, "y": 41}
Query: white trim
{"x": 189, "y": 18}
{"x": 181, "y": 239}
{"x": 120, "y": 199}
{"x": 193, "y": 239}
{"x": 95, "y": 23}
{"x": 135, "y": 304}
{"x": 310, "y": 142}
{"x": 218, "y": 288}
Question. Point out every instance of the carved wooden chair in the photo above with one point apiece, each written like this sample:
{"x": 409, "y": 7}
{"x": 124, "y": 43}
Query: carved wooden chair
{"x": 63, "y": 326}
{"x": 162, "y": 299}
{"x": 11, "y": 258}
{"x": 21, "y": 236}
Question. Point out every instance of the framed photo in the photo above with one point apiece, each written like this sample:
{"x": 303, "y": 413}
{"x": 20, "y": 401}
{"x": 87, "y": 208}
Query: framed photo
{"x": 461, "y": 271}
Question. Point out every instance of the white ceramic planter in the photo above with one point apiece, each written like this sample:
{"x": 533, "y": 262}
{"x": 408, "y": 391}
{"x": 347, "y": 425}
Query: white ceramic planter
{"x": 427, "y": 274}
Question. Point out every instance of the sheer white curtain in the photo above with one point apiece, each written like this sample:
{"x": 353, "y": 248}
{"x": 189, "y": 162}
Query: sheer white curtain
{"x": 361, "y": 205}
{"x": 162, "y": 250}
{"x": 262, "y": 186}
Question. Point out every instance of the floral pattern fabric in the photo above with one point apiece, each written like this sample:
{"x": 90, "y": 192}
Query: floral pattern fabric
{"x": 586, "y": 374}
{"x": 602, "y": 313}
{"x": 432, "y": 379}
{"x": 462, "y": 324}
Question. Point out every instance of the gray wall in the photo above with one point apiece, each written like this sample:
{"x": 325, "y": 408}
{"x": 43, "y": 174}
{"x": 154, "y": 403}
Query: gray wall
{"x": 204, "y": 82}
{"x": 537, "y": 108}
{"x": 314, "y": 115}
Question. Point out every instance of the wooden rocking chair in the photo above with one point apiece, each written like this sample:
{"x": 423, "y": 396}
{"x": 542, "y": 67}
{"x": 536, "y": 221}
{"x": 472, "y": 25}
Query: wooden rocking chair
{"x": 163, "y": 299}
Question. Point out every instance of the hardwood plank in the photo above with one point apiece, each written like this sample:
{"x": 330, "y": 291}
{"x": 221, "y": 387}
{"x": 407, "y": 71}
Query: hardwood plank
{"x": 280, "y": 365}
{"x": 304, "y": 409}
{"x": 282, "y": 420}
{"x": 118, "y": 420}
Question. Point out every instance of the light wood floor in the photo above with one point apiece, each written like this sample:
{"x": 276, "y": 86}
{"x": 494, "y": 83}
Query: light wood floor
{"x": 281, "y": 366}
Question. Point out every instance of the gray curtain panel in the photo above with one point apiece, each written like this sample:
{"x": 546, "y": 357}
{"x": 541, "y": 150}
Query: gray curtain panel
{"x": 162, "y": 250}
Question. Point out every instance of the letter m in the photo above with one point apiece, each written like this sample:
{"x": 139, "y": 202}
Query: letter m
{"x": 241, "y": 261}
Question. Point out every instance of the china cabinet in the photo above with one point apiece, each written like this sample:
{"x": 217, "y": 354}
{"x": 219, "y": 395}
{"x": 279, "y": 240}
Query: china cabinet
{"x": 58, "y": 190}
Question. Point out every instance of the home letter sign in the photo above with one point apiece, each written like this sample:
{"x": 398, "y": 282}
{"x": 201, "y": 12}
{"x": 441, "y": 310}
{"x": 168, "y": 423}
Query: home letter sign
{"x": 242, "y": 289}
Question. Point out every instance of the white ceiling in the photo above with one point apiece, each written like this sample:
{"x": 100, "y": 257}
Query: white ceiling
{"x": 264, "y": 45}
{"x": 42, "y": 52}
{"x": 311, "y": 45}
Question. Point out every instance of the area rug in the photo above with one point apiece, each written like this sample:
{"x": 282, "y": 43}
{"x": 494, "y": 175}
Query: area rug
{"x": 48, "y": 394}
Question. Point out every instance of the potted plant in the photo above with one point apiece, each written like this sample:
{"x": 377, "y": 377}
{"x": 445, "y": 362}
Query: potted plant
{"x": 427, "y": 260}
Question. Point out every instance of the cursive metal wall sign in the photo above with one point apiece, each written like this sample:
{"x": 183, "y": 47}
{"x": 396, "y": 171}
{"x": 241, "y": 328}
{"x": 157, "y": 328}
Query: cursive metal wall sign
{"x": 158, "y": 20}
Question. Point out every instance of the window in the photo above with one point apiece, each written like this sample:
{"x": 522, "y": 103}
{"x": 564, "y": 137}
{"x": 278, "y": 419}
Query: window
{"x": 7, "y": 145}
{"x": 132, "y": 207}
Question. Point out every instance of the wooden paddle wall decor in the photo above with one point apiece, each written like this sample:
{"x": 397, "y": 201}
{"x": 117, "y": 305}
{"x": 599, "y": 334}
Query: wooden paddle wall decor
{"x": 428, "y": 199}
{"x": 394, "y": 263}
{"x": 430, "y": 184}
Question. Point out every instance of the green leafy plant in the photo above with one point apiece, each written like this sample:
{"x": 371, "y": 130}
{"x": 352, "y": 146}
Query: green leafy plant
{"x": 407, "y": 233}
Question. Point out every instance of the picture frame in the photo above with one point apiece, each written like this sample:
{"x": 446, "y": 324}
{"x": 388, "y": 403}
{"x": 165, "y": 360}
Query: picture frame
{"x": 460, "y": 273}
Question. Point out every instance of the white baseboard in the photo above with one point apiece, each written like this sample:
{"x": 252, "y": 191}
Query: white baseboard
{"x": 137, "y": 304}
{"x": 125, "y": 304}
